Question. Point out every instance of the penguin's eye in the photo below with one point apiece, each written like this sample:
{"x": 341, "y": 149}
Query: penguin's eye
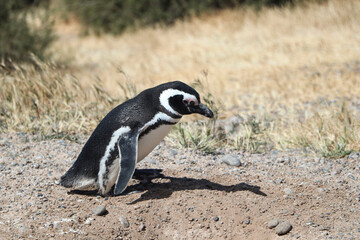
{"x": 185, "y": 102}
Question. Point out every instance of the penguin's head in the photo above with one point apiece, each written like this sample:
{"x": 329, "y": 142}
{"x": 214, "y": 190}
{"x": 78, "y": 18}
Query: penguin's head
{"x": 182, "y": 99}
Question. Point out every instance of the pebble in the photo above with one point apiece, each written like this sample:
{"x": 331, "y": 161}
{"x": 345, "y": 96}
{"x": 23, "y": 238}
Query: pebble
{"x": 216, "y": 219}
{"x": 324, "y": 228}
{"x": 288, "y": 191}
{"x": 172, "y": 153}
{"x": 100, "y": 210}
{"x": 5, "y": 143}
{"x": 124, "y": 221}
{"x": 88, "y": 221}
{"x": 352, "y": 177}
{"x": 232, "y": 160}
{"x": 56, "y": 224}
{"x": 149, "y": 160}
{"x": 336, "y": 172}
{"x": 283, "y": 228}
{"x": 273, "y": 223}
{"x": 355, "y": 155}
{"x": 142, "y": 227}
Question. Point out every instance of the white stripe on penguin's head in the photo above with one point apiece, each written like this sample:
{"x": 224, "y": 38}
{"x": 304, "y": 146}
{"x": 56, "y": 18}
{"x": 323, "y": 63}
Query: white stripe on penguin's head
{"x": 168, "y": 93}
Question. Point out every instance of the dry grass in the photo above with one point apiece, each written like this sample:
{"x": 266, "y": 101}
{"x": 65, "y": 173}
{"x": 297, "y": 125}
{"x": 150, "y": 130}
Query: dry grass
{"x": 44, "y": 99}
{"x": 297, "y": 70}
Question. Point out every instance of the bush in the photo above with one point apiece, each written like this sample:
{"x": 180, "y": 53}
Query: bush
{"x": 114, "y": 16}
{"x": 17, "y": 38}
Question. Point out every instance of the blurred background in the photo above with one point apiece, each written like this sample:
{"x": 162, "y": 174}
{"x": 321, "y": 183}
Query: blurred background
{"x": 280, "y": 74}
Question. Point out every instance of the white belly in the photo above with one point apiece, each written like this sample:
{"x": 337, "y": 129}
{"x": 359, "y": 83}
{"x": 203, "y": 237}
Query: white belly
{"x": 148, "y": 142}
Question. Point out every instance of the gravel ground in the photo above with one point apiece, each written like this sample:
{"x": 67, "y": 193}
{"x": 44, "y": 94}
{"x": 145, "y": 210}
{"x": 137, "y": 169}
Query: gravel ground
{"x": 232, "y": 195}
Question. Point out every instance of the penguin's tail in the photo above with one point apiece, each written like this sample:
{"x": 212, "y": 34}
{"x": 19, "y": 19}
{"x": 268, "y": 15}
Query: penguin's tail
{"x": 76, "y": 179}
{"x": 67, "y": 180}
{"x": 71, "y": 178}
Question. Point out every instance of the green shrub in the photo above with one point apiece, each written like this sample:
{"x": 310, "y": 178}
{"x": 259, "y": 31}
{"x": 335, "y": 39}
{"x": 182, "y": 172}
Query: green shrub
{"x": 114, "y": 16}
{"x": 18, "y": 37}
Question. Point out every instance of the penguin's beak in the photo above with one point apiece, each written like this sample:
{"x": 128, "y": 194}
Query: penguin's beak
{"x": 203, "y": 110}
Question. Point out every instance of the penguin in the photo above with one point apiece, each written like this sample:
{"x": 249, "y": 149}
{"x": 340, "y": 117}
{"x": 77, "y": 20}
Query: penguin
{"x": 127, "y": 134}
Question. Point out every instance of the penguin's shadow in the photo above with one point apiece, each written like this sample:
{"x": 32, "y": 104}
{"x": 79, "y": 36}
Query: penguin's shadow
{"x": 165, "y": 189}
{"x": 162, "y": 190}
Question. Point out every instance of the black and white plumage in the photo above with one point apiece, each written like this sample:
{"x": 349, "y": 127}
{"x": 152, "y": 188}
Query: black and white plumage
{"x": 128, "y": 133}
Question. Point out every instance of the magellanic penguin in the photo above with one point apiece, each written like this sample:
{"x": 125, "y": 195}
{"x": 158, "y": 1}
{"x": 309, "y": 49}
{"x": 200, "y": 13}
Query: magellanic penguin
{"x": 128, "y": 133}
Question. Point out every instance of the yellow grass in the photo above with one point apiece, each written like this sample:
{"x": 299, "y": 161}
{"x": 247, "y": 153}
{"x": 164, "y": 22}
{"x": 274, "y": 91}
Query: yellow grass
{"x": 45, "y": 99}
{"x": 298, "y": 69}
{"x": 244, "y": 53}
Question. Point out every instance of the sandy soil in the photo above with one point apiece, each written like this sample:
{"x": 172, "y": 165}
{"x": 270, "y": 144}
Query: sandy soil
{"x": 199, "y": 197}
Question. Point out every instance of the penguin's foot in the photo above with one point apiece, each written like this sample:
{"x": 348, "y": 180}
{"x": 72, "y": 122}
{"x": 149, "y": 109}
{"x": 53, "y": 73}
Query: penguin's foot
{"x": 146, "y": 175}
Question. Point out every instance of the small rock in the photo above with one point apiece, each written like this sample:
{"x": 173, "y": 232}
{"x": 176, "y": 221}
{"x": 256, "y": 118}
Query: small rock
{"x": 232, "y": 160}
{"x": 149, "y": 160}
{"x": 281, "y": 181}
{"x": 355, "y": 155}
{"x": 283, "y": 228}
{"x": 88, "y": 221}
{"x": 288, "y": 191}
{"x": 100, "y": 210}
{"x": 142, "y": 227}
{"x": 309, "y": 223}
{"x": 273, "y": 223}
{"x": 71, "y": 214}
{"x": 124, "y": 222}
{"x": 23, "y": 228}
{"x": 275, "y": 152}
{"x": 352, "y": 177}
{"x": 172, "y": 153}
{"x": 324, "y": 228}
{"x": 5, "y": 143}
{"x": 216, "y": 219}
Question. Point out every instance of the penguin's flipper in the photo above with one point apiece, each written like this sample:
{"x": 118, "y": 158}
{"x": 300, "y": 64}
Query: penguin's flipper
{"x": 127, "y": 144}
